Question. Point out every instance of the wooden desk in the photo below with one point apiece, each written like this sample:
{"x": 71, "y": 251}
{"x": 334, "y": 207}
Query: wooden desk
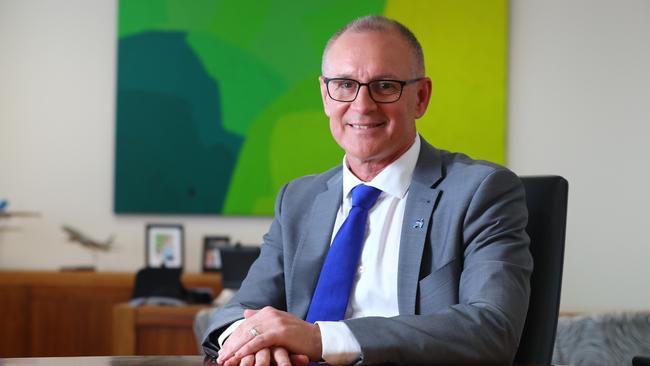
{"x": 49, "y": 313}
{"x": 117, "y": 361}
{"x": 105, "y": 361}
{"x": 154, "y": 330}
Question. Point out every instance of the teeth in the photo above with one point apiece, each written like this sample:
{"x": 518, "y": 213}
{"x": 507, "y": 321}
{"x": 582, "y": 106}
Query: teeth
{"x": 363, "y": 127}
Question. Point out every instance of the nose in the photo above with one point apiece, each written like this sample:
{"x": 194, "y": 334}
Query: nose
{"x": 363, "y": 102}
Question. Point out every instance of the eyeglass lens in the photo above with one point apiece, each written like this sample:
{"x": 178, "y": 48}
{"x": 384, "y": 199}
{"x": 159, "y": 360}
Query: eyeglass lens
{"x": 346, "y": 90}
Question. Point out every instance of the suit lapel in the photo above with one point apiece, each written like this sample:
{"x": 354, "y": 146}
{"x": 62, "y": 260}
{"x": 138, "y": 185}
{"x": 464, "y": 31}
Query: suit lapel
{"x": 313, "y": 246}
{"x": 420, "y": 203}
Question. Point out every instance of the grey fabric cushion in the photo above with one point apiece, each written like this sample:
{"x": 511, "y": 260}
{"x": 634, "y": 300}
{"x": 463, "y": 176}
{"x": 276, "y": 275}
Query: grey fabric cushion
{"x": 201, "y": 322}
{"x": 607, "y": 339}
{"x": 202, "y": 319}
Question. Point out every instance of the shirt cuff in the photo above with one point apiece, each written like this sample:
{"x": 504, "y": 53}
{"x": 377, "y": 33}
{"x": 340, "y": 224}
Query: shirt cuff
{"x": 340, "y": 347}
{"x": 226, "y": 333}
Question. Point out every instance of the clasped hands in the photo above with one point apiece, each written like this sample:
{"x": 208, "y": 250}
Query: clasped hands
{"x": 281, "y": 338}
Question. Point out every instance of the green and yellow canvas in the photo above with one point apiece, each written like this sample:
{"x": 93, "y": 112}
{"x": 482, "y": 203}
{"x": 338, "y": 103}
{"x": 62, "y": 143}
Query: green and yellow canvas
{"x": 218, "y": 103}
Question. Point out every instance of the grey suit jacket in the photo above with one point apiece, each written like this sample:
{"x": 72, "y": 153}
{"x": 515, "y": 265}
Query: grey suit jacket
{"x": 463, "y": 274}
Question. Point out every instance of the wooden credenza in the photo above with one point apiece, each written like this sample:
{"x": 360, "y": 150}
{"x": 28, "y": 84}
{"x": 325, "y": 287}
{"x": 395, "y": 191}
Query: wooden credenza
{"x": 48, "y": 313}
{"x": 154, "y": 330}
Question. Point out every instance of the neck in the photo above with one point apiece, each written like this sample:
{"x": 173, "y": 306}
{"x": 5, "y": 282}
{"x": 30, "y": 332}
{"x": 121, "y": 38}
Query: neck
{"x": 367, "y": 170}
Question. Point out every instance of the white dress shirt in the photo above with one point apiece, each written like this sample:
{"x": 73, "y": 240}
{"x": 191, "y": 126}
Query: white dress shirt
{"x": 374, "y": 292}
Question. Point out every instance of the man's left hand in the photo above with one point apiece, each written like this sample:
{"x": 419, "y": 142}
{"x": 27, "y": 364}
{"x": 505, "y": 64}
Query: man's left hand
{"x": 274, "y": 328}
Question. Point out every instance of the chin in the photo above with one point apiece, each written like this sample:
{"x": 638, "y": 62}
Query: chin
{"x": 365, "y": 155}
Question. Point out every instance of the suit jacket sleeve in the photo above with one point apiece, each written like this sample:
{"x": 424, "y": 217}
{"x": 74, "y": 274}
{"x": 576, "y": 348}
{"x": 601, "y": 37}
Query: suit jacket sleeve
{"x": 493, "y": 289}
{"x": 263, "y": 286}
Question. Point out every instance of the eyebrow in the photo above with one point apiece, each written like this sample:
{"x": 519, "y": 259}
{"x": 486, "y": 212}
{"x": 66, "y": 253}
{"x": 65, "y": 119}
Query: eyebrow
{"x": 385, "y": 76}
{"x": 376, "y": 77}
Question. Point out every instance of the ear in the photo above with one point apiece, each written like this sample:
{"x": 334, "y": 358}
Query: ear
{"x": 324, "y": 96}
{"x": 423, "y": 96}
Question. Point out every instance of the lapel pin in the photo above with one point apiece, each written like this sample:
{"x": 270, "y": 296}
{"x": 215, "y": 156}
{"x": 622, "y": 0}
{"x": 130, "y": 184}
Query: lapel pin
{"x": 418, "y": 224}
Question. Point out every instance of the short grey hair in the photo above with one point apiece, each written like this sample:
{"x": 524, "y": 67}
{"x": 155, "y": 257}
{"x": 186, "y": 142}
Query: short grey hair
{"x": 379, "y": 23}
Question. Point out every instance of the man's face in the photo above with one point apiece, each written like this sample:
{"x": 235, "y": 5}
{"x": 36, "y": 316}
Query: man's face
{"x": 370, "y": 132}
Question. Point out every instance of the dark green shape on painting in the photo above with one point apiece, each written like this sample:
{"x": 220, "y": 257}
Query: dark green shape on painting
{"x": 172, "y": 153}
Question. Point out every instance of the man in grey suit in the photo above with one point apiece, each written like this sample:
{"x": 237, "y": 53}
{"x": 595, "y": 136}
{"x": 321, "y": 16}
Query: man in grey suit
{"x": 443, "y": 273}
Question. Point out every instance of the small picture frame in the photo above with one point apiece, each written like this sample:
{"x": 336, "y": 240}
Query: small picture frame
{"x": 164, "y": 246}
{"x": 211, "y": 252}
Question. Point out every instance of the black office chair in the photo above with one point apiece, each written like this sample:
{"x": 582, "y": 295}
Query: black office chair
{"x": 546, "y": 197}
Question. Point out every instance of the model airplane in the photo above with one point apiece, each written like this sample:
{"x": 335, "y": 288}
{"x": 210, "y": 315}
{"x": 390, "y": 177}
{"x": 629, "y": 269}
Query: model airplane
{"x": 77, "y": 236}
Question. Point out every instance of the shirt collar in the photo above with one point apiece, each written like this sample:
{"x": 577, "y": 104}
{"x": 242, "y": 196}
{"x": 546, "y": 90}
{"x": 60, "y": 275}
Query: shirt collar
{"x": 394, "y": 179}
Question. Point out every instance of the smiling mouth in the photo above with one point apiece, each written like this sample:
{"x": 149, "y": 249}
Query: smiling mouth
{"x": 365, "y": 126}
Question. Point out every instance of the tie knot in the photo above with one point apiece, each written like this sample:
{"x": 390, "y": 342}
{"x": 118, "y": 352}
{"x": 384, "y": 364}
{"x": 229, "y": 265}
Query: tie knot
{"x": 365, "y": 196}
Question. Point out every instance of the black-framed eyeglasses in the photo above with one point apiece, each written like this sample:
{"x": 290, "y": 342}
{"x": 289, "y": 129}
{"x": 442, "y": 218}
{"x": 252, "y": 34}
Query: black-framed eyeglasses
{"x": 381, "y": 91}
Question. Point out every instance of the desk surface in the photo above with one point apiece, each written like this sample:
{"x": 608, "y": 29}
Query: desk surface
{"x": 114, "y": 361}
{"x": 106, "y": 361}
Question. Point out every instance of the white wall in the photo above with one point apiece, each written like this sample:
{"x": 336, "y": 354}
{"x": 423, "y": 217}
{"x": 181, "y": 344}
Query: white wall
{"x": 578, "y": 107}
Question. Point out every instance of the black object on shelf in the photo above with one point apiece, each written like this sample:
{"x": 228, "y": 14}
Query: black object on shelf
{"x": 236, "y": 261}
{"x": 641, "y": 361}
{"x": 163, "y": 286}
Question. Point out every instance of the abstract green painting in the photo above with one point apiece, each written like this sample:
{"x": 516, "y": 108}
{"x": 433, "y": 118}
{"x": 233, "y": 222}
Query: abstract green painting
{"x": 218, "y": 103}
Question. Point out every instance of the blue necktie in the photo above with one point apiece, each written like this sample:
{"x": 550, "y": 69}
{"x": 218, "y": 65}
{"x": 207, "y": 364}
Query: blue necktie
{"x": 337, "y": 275}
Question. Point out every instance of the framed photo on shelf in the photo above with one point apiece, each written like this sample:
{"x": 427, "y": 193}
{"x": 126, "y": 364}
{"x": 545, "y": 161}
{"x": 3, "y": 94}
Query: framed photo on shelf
{"x": 211, "y": 252}
{"x": 164, "y": 246}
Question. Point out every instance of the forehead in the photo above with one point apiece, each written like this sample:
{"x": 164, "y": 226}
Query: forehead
{"x": 369, "y": 55}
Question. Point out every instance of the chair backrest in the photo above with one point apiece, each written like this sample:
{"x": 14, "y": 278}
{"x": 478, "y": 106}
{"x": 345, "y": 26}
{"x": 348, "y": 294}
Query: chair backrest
{"x": 546, "y": 197}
